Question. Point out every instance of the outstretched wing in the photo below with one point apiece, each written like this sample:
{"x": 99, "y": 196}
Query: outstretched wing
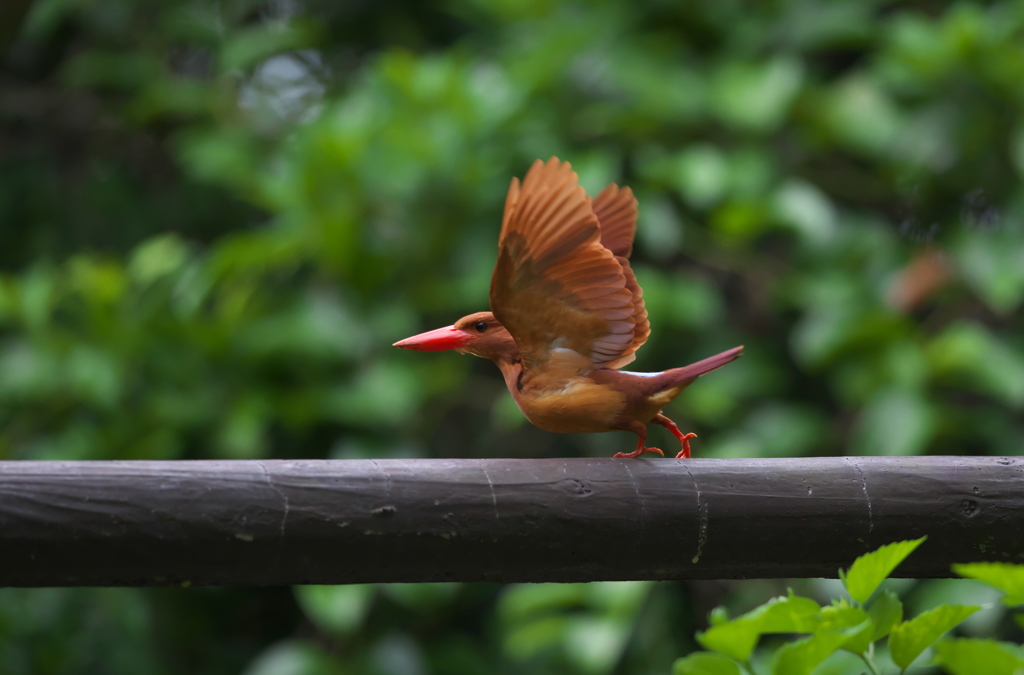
{"x": 555, "y": 286}
{"x": 616, "y": 213}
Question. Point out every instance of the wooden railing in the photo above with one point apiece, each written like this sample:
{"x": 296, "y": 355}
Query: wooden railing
{"x": 141, "y": 523}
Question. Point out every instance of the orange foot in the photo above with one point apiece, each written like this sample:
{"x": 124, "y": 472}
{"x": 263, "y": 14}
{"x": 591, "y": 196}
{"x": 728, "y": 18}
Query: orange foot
{"x": 639, "y": 451}
{"x": 685, "y": 441}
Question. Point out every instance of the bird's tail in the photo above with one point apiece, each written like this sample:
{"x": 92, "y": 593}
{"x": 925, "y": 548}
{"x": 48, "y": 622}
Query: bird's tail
{"x": 694, "y": 370}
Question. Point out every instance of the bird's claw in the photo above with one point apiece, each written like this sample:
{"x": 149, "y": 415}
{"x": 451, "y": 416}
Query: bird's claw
{"x": 685, "y": 440}
{"x": 638, "y": 452}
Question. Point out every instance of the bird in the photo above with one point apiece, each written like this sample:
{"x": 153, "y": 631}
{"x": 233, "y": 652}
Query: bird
{"x": 567, "y": 313}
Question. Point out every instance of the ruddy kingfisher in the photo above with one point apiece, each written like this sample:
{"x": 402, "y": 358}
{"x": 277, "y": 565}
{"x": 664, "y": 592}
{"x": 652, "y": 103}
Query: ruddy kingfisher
{"x": 567, "y": 313}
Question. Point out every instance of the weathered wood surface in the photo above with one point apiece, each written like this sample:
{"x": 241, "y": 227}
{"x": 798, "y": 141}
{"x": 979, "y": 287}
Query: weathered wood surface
{"x": 351, "y": 521}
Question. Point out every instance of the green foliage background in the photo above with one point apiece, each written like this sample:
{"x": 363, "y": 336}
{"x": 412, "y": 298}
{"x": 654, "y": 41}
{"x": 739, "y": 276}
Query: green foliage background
{"x": 216, "y": 217}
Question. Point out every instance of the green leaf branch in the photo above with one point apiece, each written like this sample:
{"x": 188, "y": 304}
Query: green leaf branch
{"x": 858, "y": 625}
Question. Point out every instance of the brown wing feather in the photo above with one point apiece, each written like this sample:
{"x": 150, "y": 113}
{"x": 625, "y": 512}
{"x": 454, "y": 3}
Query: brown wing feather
{"x": 641, "y": 326}
{"x": 555, "y": 285}
{"x": 616, "y": 211}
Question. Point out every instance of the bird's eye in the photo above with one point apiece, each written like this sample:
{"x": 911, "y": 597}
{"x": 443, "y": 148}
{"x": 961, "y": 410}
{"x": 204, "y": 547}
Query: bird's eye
{"x": 480, "y": 326}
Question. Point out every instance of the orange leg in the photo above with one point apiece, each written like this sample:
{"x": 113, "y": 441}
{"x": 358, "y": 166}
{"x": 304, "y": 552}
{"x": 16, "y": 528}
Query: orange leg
{"x": 684, "y": 439}
{"x": 641, "y": 431}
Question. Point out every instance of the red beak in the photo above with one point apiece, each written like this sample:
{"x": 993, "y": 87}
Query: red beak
{"x": 437, "y": 340}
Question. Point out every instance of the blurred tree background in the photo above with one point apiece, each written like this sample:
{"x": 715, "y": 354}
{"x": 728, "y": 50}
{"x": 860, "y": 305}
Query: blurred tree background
{"x": 215, "y": 218}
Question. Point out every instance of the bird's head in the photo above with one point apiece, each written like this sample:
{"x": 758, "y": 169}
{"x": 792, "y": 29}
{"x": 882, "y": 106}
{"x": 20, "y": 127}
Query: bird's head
{"x": 479, "y": 334}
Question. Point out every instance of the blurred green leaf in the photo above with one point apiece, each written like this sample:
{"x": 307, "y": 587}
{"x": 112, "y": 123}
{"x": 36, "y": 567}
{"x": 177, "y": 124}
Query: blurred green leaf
{"x": 1017, "y": 150}
{"x": 294, "y": 657}
{"x": 971, "y": 352}
{"x": 157, "y": 258}
{"x": 335, "y": 609}
{"x": 528, "y": 640}
{"x": 852, "y": 622}
{"x": 660, "y": 230}
{"x": 862, "y": 114}
{"x": 589, "y": 623}
{"x": 807, "y": 210}
{"x": 249, "y": 46}
{"x": 111, "y": 69}
{"x": 869, "y": 570}
{"x": 95, "y": 376}
{"x": 993, "y": 265}
{"x": 885, "y": 610}
{"x": 737, "y": 637}
{"x": 1006, "y": 577}
{"x": 384, "y": 392}
{"x": 800, "y": 657}
{"x": 969, "y": 656}
{"x": 37, "y": 297}
{"x": 701, "y": 175}
{"x": 895, "y": 422}
{"x": 830, "y": 331}
{"x": 908, "y": 639}
{"x": 228, "y": 158}
{"x": 789, "y": 614}
{"x": 595, "y": 644}
{"x": 755, "y": 96}
{"x": 422, "y": 597}
{"x": 704, "y": 663}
